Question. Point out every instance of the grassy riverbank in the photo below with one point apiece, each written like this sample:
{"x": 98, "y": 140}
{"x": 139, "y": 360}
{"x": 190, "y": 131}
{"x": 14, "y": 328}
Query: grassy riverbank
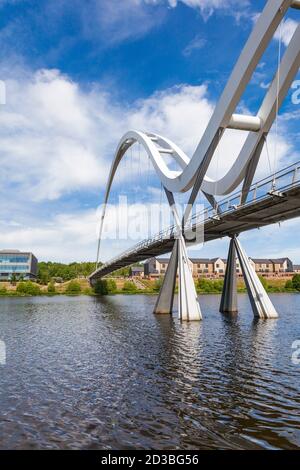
{"x": 116, "y": 286}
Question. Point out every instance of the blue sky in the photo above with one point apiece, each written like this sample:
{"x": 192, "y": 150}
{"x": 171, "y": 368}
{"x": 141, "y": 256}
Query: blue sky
{"x": 79, "y": 74}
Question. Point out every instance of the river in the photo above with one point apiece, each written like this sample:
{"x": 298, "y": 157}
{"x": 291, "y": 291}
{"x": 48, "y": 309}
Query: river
{"x": 105, "y": 373}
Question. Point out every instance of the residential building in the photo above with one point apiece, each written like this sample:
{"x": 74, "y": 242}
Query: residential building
{"x": 18, "y": 263}
{"x": 296, "y": 268}
{"x": 272, "y": 266}
{"x": 216, "y": 267}
{"x": 137, "y": 271}
{"x": 156, "y": 267}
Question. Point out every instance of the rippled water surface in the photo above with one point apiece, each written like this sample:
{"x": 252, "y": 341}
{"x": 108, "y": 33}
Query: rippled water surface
{"x": 106, "y": 373}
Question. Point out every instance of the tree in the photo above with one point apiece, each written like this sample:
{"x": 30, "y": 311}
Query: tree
{"x": 296, "y": 281}
{"x": 51, "y": 288}
{"x": 13, "y": 279}
{"x": 73, "y": 288}
{"x": 105, "y": 287}
{"x": 289, "y": 285}
{"x": 101, "y": 287}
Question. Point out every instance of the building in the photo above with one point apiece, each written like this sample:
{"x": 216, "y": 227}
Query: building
{"x": 216, "y": 267}
{"x": 156, "y": 267}
{"x": 137, "y": 271}
{"x": 296, "y": 268}
{"x": 272, "y": 266}
{"x": 17, "y": 263}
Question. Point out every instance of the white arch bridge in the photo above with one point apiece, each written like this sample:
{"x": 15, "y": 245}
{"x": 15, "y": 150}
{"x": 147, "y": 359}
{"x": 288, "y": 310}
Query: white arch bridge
{"x": 269, "y": 201}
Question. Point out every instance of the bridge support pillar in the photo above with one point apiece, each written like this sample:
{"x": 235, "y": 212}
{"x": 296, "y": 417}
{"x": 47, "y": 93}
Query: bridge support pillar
{"x": 229, "y": 294}
{"x": 260, "y": 301}
{"x": 165, "y": 299}
{"x": 188, "y": 305}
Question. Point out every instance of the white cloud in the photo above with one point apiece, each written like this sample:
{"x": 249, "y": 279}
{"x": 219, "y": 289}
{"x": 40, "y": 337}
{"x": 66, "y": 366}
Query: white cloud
{"x": 58, "y": 140}
{"x": 286, "y": 30}
{"x": 207, "y": 7}
{"x": 196, "y": 44}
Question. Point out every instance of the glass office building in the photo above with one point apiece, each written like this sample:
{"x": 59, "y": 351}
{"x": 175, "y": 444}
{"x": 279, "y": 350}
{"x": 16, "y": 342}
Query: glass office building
{"x": 20, "y": 264}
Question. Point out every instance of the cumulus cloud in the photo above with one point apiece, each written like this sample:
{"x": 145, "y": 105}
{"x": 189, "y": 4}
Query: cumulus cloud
{"x": 58, "y": 140}
{"x": 286, "y": 31}
{"x": 207, "y": 7}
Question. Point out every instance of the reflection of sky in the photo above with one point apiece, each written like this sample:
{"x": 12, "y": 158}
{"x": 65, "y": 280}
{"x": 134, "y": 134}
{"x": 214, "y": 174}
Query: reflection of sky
{"x": 119, "y": 65}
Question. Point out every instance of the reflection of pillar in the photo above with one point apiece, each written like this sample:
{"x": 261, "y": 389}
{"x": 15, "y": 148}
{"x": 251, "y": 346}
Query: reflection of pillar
{"x": 165, "y": 299}
{"x": 260, "y": 301}
{"x": 229, "y": 294}
{"x": 188, "y": 305}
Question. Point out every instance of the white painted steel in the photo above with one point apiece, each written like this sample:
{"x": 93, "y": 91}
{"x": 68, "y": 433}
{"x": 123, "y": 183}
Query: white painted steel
{"x": 260, "y": 301}
{"x": 223, "y": 117}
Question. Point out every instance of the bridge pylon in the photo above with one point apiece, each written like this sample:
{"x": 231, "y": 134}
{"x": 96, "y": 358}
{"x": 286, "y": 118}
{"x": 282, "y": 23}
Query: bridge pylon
{"x": 229, "y": 302}
{"x": 260, "y": 301}
{"x": 188, "y": 305}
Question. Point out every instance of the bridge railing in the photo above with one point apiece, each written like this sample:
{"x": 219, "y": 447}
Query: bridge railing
{"x": 280, "y": 181}
{"x": 273, "y": 185}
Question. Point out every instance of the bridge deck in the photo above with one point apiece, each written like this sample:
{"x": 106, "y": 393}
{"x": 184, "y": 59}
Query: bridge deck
{"x": 265, "y": 210}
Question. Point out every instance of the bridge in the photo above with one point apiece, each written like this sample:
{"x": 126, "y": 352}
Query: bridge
{"x": 269, "y": 201}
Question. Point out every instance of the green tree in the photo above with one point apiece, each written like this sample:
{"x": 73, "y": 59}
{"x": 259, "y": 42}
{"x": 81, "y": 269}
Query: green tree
{"x": 13, "y": 279}
{"x": 289, "y": 285}
{"x": 101, "y": 287}
{"x": 73, "y": 288}
{"x": 296, "y": 281}
{"x": 51, "y": 288}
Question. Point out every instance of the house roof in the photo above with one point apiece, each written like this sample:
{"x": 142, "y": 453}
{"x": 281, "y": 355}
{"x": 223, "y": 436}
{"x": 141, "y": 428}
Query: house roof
{"x": 137, "y": 268}
{"x": 269, "y": 260}
{"x": 200, "y": 260}
{"x": 163, "y": 260}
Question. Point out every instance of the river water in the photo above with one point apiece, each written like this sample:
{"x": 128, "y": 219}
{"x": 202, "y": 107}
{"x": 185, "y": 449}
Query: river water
{"x": 90, "y": 373}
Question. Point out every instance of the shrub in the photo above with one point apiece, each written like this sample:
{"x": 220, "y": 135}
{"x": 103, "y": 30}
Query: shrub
{"x": 73, "y": 288}
{"x": 111, "y": 286}
{"x": 101, "y": 287}
{"x": 129, "y": 287}
{"x": 88, "y": 291}
{"x": 3, "y": 290}
{"x": 158, "y": 284}
{"x": 296, "y": 281}
{"x": 289, "y": 285}
{"x": 105, "y": 287}
{"x": 28, "y": 288}
{"x": 264, "y": 282}
{"x": 51, "y": 288}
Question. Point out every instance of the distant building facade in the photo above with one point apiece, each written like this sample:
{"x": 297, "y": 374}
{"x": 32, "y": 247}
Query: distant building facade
{"x": 216, "y": 267}
{"x": 297, "y": 268}
{"x": 137, "y": 271}
{"x": 17, "y": 263}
